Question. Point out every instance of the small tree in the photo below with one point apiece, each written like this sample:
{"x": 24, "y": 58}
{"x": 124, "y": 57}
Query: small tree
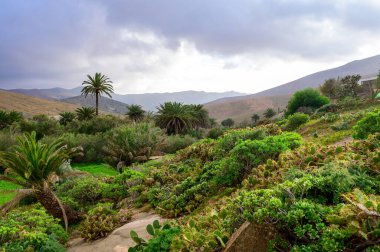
{"x": 135, "y": 112}
{"x": 330, "y": 88}
{"x": 306, "y": 98}
{"x": 350, "y": 86}
{"x": 228, "y": 122}
{"x": 85, "y": 113}
{"x": 269, "y": 113}
{"x": 255, "y": 118}
{"x": 66, "y": 117}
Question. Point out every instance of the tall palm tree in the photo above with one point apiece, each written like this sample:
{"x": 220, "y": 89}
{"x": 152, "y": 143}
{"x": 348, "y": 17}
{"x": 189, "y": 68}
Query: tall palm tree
{"x": 174, "y": 117}
{"x": 255, "y": 118}
{"x": 97, "y": 85}
{"x": 85, "y": 113}
{"x": 33, "y": 165}
{"x": 135, "y": 112}
{"x": 66, "y": 117}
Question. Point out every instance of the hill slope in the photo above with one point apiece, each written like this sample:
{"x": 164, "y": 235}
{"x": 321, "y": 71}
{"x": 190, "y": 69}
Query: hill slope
{"x": 31, "y": 106}
{"x": 242, "y": 107}
{"x": 50, "y": 93}
{"x": 363, "y": 67}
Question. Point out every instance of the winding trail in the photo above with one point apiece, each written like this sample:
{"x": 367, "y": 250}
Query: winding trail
{"x": 119, "y": 240}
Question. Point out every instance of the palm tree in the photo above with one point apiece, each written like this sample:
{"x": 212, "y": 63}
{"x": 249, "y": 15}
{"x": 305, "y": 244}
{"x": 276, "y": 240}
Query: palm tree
{"x": 135, "y": 112}
{"x": 255, "y": 118}
{"x": 269, "y": 113}
{"x": 97, "y": 85}
{"x": 200, "y": 115}
{"x": 66, "y": 117}
{"x": 85, "y": 113}
{"x": 174, "y": 117}
{"x": 33, "y": 166}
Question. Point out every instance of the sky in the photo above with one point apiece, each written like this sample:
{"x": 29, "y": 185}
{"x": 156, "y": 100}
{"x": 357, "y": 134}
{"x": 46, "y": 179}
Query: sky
{"x": 147, "y": 46}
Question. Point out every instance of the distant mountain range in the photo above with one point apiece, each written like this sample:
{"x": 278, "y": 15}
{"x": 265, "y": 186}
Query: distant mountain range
{"x": 148, "y": 101}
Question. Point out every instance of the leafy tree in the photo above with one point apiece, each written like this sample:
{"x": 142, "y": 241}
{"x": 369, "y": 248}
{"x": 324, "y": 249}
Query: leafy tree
{"x": 33, "y": 166}
{"x": 255, "y": 118}
{"x": 174, "y": 117}
{"x": 85, "y": 113}
{"x": 135, "y": 112}
{"x": 330, "y": 88}
{"x": 269, "y": 113}
{"x": 228, "y": 122}
{"x": 306, "y": 98}
{"x": 97, "y": 85}
{"x": 350, "y": 86}
{"x": 66, "y": 117}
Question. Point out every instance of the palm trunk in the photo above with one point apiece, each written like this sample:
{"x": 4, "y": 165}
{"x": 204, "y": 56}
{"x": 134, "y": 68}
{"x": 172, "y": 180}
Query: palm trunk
{"x": 97, "y": 102}
{"x": 49, "y": 201}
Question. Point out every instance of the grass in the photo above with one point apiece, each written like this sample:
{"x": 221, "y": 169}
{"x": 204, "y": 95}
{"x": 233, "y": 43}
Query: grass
{"x": 7, "y": 191}
{"x": 96, "y": 169}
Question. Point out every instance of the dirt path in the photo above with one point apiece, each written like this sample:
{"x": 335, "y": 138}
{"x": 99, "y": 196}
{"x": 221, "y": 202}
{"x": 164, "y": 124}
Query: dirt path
{"x": 119, "y": 240}
{"x": 343, "y": 141}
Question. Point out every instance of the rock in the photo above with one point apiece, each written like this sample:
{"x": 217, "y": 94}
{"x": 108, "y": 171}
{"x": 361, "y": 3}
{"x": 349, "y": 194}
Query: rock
{"x": 251, "y": 237}
{"x": 120, "y": 166}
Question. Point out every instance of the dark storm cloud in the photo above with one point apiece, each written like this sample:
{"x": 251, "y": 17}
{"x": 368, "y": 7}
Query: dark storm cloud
{"x": 45, "y": 42}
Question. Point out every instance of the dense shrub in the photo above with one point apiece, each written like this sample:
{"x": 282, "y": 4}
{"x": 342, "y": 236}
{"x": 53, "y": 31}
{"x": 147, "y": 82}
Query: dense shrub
{"x": 98, "y": 222}
{"x": 296, "y": 120}
{"x": 31, "y": 229}
{"x": 127, "y": 143}
{"x": 368, "y": 125}
{"x": 306, "y": 98}
{"x": 92, "y": 146}
{"x": 41, "y": 124}
{"x": 8, "y": 118}
{"x": 214, "y": 133}
{"x": 99, "y": 124}
{"x": 348, "y": 103}
{"x": 177, "y": 142}
{"x": 331, "y": 107}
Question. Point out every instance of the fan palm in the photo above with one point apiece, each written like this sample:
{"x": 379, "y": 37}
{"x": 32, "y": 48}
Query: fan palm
{"x": 97, "y": 85}
{"x": 34, "y": 166}
{"x": 135, "y": 112}
{"x": 199, "y": 115}
{"x": 85, "y": 113}
{"x": 174, "y": 117}
{"x": 66, "y": 117}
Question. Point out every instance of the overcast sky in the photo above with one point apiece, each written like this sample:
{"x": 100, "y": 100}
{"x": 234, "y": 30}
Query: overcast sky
{"x": 176, "y": 45}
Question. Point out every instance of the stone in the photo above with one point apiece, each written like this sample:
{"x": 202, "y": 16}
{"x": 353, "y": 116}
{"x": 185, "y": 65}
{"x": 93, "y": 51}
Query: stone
{"x": 251, "y": 237}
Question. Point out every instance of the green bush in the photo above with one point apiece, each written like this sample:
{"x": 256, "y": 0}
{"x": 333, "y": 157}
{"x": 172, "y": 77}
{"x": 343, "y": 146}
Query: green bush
{"x": 99, "y": 124}
{"x": 92, "y": 146}
{"x": 331, "y": 107}
{"x": 81, "y": 192}
{"x": 43, "y": 125}
{"x": 368, "y": 125}
{"x": 306, "y": 98}
{"x": 348, "y": 103}
{"x": 31, "y": 229}
{"x": 215, "y": 133}
{"x": 98, "y": 222}
{"x": 127, "y": 143}
{"x": 8, "y": 118}
{"x": 174, "y": 143}
{"x": 296, "y": 120}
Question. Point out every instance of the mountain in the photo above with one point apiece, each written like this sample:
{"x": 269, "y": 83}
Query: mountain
{"x": 105, "y": 104}
{"x": 242, "y": 107}
{"x": 30, "y": 105}
{"x": 368, "y": 66}
{"x": 149, "y": 101}
{"x": 50, "y": 93}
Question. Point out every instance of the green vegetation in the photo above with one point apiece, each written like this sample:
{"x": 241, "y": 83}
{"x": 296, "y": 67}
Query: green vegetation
{"x": 97, "y": 85}
{"x": 135, "y": 112}
{"x": 228, "y": 123}
{"x": 269, "y": 113}
{"x": 85, "y": 113}
{"x": 312, "y": 177}
{"x": 306, "y": 98}
{"x": 95, "y": 169}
